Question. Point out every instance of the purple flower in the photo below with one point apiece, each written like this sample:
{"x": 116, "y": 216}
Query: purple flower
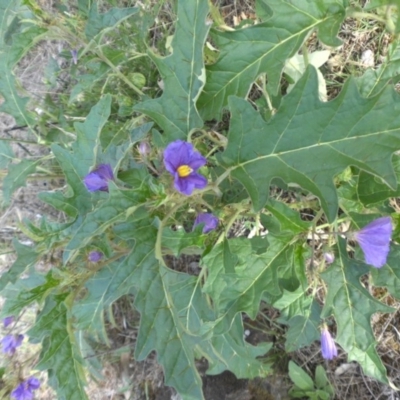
{"x": 11, "y": 342}
{"x": 8, "y": 321}
{"x": 95, "y": 256}
{"x": 210, "y": 222}
{"x": 329, "y": 258}
{"x": 98, "y": 178}
{"x": 144, "y": 149}
{"x": 24, "y": 390}
{"x": 74, "y": 54}
{"x": 182, "y": 161}
{"x": 374, "y": 240}
{"x": 328, "y": 347}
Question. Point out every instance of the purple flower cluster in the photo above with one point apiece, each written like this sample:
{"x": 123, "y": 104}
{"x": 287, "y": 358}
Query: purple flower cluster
{"x": 182, "y": 161}
{"x": 98, "y": 178}
{"x": 24, "y": 391}
{"x": 374, "y": 240}
{"x": 210, "y": 222}
{"x": 11, "y": 342}
{"x": 328, "y": 346}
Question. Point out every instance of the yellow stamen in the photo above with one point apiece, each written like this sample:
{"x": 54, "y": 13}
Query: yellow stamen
{"x": 184, "y": 171}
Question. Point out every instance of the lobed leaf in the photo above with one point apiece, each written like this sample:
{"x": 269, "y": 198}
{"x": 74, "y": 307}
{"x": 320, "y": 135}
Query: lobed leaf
{"x": 76, "y": 164}
{"x": 371, "y": 190}
{"x": 86, "y": 147}
{"x": 308, "y": 142}
{"x": 24, "y": 292}
{"x": 389, "y": 275}
{"x": 26, "y": 257}
{"x": 182, "y": 73}
{"x": 120, "y": 205}
{"x": 6, "y": 154}
{"x": 352, "y": 306}
{"x": 264, "y": 48}
{"x": 240, "y": 270}
{"x": 178, "y": 240}
{"x": 98, "y": 22}
{"x": 374, "y": 80}
{"x": 59, "y": 355}
{"x": 13, "y": 104}
{"x": 16, "y": 178}
{"x": 302, "y": 314}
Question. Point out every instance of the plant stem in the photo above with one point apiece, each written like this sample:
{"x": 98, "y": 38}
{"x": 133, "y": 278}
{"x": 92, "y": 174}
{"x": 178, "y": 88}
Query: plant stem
{"x": 364, "y": 15}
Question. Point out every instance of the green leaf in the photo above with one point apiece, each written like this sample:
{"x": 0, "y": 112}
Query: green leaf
{"x": 120, "y": 205}
{"x": 23, "y": 41}
{"x": 26, "y": 257}
{"x": 178, "y": 240}
{"x": 81, "y": 200}
{"x": 59, "y": 353}
{"x": 372, "y": 190}
{"x": 27, "y": 291}
{"x": 99, "y": 22}
{"x": 289, "y": 220}
{"x": 230, "y": 351}
{"x": 118, "y": 279}
{"x": 182, "y": 73}
{"x": 61, "y": 203}
{"x": 321, "y": 379}
{"x": 303, "y": 130}
{"x": 299, "y": 377}
{"x": 374, "y": 80}
{"x": 86, "y": 148}
{"x": 13, "y": 104}
{"x": 249, "y": 52}
{"x": 6, "y": 154}
{"x": 174, "y": 313}
{"x": 76, "y": 164}
{"x": 389, "y": 275}
{"x": 296, "y": 66}
{"x": 302, "y": 314}
{"x": 352, "y": 306}
{"x": 16, "y": 178}
{"x": 237, "y": 286}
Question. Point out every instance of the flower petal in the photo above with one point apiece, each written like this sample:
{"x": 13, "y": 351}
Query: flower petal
{"x": 21, "y": 392}
{"x": 374, "y": 240}
{"x": 94, "y": 182}
{"x": 196, "y": 160}
{"x": 209, "y": 220}
{"x": 33, "y": 383}
{"x": 176, "y": 154}
{"x": 328, "y": 346}
{"x": 183, "y": 185}
{"x": 105, "y": 171}
{"x": 199, "y": 181}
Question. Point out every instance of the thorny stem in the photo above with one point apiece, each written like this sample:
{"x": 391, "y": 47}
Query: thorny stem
{"x": 315, "y": 221}
{"x": 118, "y": 73}
{"x": 223, "y": 176}
{"x": 158, "y": 247}
{"x": 231, "y": 220}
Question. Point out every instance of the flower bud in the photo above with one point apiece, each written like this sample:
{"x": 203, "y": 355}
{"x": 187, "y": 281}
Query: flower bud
{"x": 144, "y": 149}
